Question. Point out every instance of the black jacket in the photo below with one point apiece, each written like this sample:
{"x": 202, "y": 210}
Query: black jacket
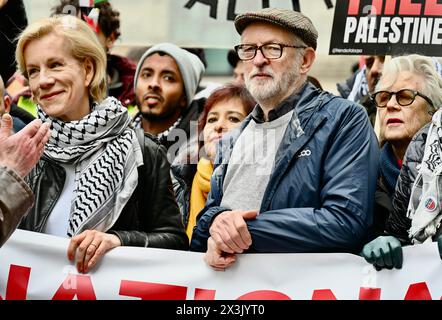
{"x": 189, "y": 115}
{"x": 382, "y": 209}
{"x": 398, "y": 224}
{"x": 387, "y": 178}
{"x": 183, "y": 175}
{"x": 151, "y": 217}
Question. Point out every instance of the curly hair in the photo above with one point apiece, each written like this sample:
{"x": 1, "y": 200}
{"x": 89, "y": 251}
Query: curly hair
{"x": 109, "y": 20}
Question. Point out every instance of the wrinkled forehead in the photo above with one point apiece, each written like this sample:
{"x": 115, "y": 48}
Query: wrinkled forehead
{"x": 401, "y": 80}
{"x": 59, "y": 45}
{"x": 264, "y": 32}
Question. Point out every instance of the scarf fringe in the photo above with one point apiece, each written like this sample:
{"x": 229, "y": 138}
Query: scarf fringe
{"x": 106, "y": 154}
{"x": 424, "y": 208}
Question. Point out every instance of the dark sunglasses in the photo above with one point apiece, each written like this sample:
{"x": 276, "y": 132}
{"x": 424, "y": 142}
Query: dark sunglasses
{"x": 404, "y": 97}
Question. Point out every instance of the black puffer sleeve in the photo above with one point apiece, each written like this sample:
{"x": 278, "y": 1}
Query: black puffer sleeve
{"x": 157, "y": 213}
{"x": 398, "y": 224}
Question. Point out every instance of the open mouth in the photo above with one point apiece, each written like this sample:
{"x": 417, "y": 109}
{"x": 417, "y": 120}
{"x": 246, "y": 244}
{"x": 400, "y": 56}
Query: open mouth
{"x": 152, "y": 99}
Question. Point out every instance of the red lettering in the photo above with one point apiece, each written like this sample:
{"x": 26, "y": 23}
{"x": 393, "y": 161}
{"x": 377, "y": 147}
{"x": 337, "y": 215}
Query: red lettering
{"x": 204, "y": 294}
{"x": 264, "y": 295}
{"x": 376, "y": 8}
{"x": 418, "y": 291}
{"x": 390, "y": 7}
{"x": 408, "y": 8}
{"x": 152, "y": 291}
{"x": 353, "y": 7}
{"x": 18, "y": 280}
{"x": 369, "y": 293}
{"x": 432, "y": 8}
{"x": 75, "y": 285}
{"x": 323, "y": 294}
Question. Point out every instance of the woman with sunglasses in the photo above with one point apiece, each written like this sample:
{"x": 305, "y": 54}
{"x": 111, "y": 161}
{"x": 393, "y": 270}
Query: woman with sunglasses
{"x": 408, "y": 96}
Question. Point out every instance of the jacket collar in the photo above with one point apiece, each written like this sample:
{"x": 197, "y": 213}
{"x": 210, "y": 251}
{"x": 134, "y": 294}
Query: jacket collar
{"x": 305, "y": 107}
{"x": 284, "y": 107}
{"x": 389, "y": 168}
{"x": 300, "y": 129}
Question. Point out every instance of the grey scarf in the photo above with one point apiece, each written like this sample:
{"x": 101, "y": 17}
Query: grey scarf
{"x": 425, "y": 206}
{"x": 106, "y": 154}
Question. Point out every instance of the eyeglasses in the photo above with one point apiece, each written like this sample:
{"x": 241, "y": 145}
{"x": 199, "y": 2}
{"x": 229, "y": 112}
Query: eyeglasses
{"x": 404, "y": 97}
{"x": 268, "y": 50}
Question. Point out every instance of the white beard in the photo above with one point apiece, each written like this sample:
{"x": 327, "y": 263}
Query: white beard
{"x": 269, "y": 89}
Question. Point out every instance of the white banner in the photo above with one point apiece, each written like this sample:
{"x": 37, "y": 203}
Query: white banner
{"x": 35, "y": 266}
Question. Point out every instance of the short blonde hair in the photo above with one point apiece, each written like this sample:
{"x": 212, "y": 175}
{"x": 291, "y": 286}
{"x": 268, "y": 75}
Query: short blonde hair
{"x": 82, "y": 41}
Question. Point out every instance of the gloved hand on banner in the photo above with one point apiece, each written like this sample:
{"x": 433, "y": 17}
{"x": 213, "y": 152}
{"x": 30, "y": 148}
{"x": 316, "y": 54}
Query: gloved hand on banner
{"x": 439, "y": 245}
{"x": 384, "y": 252}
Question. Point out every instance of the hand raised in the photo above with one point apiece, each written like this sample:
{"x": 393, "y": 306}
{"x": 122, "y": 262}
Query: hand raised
{"x": 22, "y": 150}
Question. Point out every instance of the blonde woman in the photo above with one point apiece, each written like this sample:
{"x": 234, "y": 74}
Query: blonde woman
{"x": 96, "y": 182}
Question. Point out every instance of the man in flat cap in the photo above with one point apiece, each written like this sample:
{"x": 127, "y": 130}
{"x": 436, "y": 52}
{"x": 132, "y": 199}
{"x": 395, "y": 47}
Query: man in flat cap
{"x": 300, "y": 173}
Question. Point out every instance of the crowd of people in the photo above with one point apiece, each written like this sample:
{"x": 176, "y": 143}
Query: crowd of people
{"x": 267, "y": 163}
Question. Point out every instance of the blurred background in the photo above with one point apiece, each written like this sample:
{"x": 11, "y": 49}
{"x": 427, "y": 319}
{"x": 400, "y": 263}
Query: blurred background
{"x": 147, "y": 22}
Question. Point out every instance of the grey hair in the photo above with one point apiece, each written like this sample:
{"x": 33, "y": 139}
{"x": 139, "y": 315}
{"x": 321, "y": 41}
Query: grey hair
{"x": 297, "y": 41}
{"x": 417, "y": 64}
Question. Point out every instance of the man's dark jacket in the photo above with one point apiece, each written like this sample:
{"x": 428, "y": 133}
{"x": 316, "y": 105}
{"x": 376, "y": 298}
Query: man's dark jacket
{"x": 320, "y": 194}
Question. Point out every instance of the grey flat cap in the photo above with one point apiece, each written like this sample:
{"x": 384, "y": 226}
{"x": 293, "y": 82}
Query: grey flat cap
{"x": 291, "y": 20}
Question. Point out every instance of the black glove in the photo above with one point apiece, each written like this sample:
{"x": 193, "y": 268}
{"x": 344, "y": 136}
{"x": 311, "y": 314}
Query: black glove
{"x": 385, "y": 252}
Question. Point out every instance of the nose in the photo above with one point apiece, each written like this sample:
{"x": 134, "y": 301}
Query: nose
{"x": 392, "y": 103}
{"x": 259, "y": 59}
{"x": 220, "y": 126}
{"x": 377, "y": 66}
{"x": 46, "y": 79}
{"x": 375, "y": 73}
{"x": 153, "y": 84}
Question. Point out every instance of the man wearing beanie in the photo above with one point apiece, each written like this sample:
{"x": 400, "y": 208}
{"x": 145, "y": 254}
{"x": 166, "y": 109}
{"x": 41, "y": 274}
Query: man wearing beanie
{"x": 300, "y": 174}
{"x": 166, "y": 80}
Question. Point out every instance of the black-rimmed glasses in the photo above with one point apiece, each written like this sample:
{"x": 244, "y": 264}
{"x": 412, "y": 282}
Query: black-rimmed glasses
{"x": 404, "y": 97}
{"x": 268, "y": 50}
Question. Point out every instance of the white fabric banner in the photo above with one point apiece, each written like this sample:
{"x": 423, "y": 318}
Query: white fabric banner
{"x": 35, "y": 266}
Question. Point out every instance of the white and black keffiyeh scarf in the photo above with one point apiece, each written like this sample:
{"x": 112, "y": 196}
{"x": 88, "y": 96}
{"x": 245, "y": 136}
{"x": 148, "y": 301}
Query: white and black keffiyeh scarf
{"x": 162, "y": 136}
{"x": 106, "y": 154}
{"x": 425, "y": 206}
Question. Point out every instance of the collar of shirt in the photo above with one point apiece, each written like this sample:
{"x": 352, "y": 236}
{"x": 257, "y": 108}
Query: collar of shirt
{"x": 284, "y": 107}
